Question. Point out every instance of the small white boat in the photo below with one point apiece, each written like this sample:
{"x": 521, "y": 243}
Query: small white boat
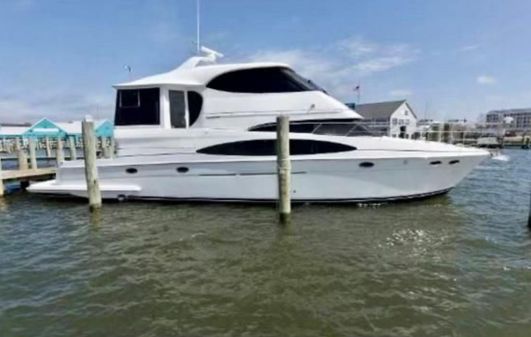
{"x": 205, "y": 131}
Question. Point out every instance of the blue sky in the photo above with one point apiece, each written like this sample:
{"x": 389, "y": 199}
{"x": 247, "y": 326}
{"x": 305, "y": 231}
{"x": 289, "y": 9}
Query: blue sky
{"x": 450, "y": 58}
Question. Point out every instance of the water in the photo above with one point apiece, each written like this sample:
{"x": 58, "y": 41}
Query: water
{"x": 456, "y": 265}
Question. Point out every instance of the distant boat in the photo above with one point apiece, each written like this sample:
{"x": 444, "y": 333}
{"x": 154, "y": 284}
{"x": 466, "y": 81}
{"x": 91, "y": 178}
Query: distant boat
{"x": 205, "y": 131}
{"x": 489, "y": 142}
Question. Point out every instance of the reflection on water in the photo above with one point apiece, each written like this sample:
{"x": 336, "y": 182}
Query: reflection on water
{"x": 458, "y": 264}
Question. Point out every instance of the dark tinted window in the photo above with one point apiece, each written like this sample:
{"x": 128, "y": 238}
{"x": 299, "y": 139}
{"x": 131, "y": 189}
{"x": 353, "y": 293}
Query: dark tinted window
{"x": 262, "y": 80}
{"x": 137, "y": 107}
{"x": 267, "y": 147}
{"x": 177, "y": 109}
{"x": 195, "y": 104}
{"x": 349, "y": 128}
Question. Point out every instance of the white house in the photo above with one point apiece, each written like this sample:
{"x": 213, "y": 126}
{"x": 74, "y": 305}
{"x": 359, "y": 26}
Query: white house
{"x": 394, "y": 119}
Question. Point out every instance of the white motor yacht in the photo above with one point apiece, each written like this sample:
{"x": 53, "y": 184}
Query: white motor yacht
{"x": 206, "y": 131}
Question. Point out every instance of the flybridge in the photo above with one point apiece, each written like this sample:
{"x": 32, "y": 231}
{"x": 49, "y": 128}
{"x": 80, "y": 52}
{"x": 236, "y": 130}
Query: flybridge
{"x": 203, "y": 94}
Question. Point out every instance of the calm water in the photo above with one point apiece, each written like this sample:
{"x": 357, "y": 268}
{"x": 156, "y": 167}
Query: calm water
{"x": 457, "y": 265}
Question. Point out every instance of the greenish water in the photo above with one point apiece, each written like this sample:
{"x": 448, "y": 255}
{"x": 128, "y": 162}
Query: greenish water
{"x": 456, "y": 265}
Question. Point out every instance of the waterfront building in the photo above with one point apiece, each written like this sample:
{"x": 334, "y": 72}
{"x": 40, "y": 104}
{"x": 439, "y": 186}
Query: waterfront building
{"x": 394, "y": 118}
{"x": 521, "y": 119}
{"x": 48, "y": 128}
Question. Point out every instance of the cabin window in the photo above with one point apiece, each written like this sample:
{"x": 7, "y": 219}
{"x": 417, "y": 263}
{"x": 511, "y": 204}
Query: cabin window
{"x": 195, "y": 104}
{"x": 262, "y": 80}
{"x": 338, "y": 127}
{"x": 267, "y": 147}
{"x": 137, "y": 107}
{"x": 177, "y": 109}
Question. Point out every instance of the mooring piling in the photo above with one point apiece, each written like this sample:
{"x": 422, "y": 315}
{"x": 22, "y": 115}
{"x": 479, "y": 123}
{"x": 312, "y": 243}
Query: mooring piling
{"x": 72, "y": 148}
{"x": 33, "y": 156}
{"x": 91, "y": 170}
{"x": 1, "y": 180}
{"x": 106, "y": 150}
{"x": 529, "y": 216}
{"x": 48, "y": 147}
{"x": 59, "y": 154}
{"x": 283, "y": 169}
{"x": 22, "y": 159}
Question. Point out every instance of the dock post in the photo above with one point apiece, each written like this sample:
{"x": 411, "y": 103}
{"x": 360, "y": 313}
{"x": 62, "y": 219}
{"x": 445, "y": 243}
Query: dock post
{"x": 283, "y": 169}
{"x": 1, "y": 180}
{"x": 32, "y": 153}
{"x": 72, "y": 148}
{"x": 106, "y": 148}
{"x": 529, "y": 216}
{"x": 21, "y": 155}
{"x": 91, "y": 170}
{"x": 112, "y": 146}
{"x": 48, "y": 148}
{"x": 59, "y": 155}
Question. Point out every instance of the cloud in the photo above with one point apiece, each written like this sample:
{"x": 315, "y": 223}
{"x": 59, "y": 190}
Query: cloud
{"x": 469, "y": 48}
{"x": 340, "y": 64}
{"x": 485, "y": 80}
{"x": 400, "y": 93}
{"x": 57, "y": 106}
{"x": 380, "y": 64}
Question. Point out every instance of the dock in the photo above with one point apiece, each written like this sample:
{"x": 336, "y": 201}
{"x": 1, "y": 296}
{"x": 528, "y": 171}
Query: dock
{"x": 24, "y": 151}
{"x": 25, "y": 176}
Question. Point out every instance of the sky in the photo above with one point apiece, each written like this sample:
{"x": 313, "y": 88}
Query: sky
{"x": 449, "y": 59}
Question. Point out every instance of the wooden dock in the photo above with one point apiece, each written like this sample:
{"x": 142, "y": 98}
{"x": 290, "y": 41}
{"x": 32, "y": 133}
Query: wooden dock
{"x": 25, "y": 176}
{"x": 37, "y": 174}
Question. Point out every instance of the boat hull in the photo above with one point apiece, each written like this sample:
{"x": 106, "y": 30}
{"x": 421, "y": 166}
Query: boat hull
{"x": 313, "y": 180}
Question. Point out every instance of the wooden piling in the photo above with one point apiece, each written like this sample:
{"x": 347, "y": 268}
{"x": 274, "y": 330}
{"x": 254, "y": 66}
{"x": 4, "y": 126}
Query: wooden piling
{"x": 48, "y": 147}
{"x": 529, "y": 216}
{"x": 106, "y": 148}
{"x": 72, "y": 148}
{"x": 32, "y": 153}
{"x": 59, "y": 154}
{"x": 283, "y": 169}
{"x": 91, "y": 170}
{"x": 1, "y": 180}
{"x": 21, "y": 156}
{"x": 112, "y": 146}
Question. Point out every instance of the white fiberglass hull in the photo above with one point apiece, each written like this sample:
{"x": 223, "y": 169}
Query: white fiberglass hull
{"x": 317, "y": 179}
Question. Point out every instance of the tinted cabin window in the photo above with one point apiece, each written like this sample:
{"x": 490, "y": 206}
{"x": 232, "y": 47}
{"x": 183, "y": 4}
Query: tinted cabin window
{"x": 262, "y": 80}
{"x": 177, "y": 109}
{"x": 137, "y": 107}
{"x": 267, "y": 147}
{"x": 347, "y": 128}
{"x": 195, "y": 103}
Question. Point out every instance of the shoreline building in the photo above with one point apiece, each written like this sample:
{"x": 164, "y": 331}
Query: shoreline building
{"x": 521, "y": 120}
{"x": 393, "y": 118}
{"x": 48, "y": 128}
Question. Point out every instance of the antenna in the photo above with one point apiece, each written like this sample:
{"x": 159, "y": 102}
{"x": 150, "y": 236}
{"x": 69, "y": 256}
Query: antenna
{"x": 198, "y": 27}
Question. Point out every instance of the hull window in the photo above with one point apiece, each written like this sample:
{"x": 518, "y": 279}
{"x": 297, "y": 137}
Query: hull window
{"x": 177, "y": 109}
{"x": 267, "y": 147}
{"x": 137, "y": 107}
{"x": 262, "y": 80}
{"x": 366, "y": 164}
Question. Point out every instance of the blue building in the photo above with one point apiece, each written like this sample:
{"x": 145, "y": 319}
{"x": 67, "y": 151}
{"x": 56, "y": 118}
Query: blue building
{"x": 47, "y": 128}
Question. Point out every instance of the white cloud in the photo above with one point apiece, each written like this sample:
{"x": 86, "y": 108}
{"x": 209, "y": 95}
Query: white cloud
{"x": 485, "y": 80}
{"x": 400, "y": 93}
{"x": 356, "y": 46}
{"x": 340, "y": 65}
{"x": 469, "y": 48}
{"x": 379, "y": 64}
{"x": 60, "y": 107}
